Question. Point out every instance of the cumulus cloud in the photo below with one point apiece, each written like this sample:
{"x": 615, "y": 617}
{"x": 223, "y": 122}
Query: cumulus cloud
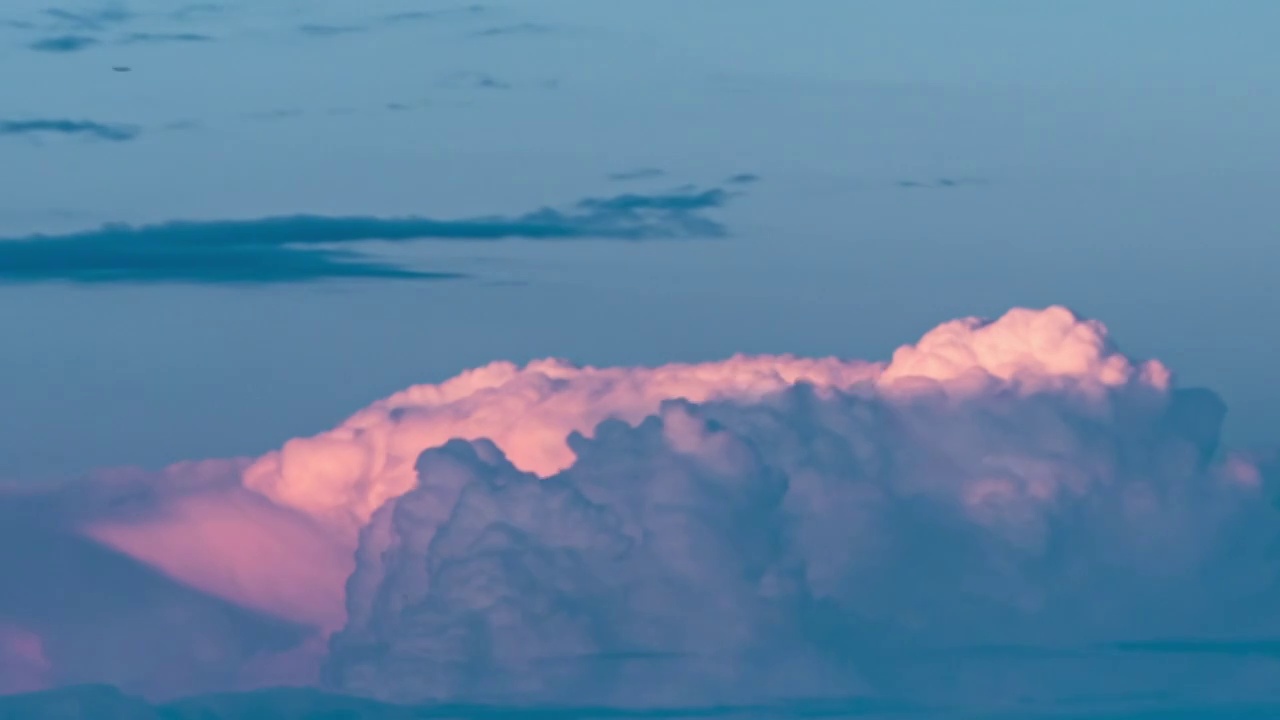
{"x": 303, "y": 248}
{"x": 1005, "y": 515}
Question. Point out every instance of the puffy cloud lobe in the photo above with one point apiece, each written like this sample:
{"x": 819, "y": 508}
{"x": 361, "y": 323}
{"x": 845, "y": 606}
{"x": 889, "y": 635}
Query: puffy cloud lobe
{"x": 1034, "y": 349}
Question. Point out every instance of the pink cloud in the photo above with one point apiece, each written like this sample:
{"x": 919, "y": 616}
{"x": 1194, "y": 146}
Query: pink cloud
{"x": 1017, "y": 480}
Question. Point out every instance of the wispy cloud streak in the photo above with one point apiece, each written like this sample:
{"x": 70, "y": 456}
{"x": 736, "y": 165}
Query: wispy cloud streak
{"x": 301, "y": 247}
{"x": 60, "y": 126}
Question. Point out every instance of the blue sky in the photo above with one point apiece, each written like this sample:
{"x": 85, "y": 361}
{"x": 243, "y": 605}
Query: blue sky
{"x": 1103, "y": 155}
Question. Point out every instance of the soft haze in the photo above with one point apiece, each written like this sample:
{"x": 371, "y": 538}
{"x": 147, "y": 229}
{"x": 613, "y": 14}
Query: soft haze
{"x": 226, "y": 227}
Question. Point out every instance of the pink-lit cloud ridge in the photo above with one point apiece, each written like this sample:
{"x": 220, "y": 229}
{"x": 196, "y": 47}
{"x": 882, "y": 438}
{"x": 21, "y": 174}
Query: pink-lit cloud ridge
{"x": 742, "y": 530}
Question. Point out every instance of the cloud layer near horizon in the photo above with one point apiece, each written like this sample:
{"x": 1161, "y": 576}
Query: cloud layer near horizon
{"x": 302, "y": 248}
{"x": 552, "y": 533}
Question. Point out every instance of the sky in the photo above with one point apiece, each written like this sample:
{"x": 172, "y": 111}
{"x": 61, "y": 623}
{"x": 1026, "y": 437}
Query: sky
{"x": 1118, "y": 162}
{"x": 227, "y": 225}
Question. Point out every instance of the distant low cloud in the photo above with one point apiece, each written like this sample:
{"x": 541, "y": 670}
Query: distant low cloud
{"x": 149, "y": 37}
{"x": 525, "y": 28}
{"x": 476, "y": 80}
{"x": 941, "y": 183}
{"x": 319, "y": 30}
{"x": 743, "y": 179}
{"x": 87, "y": 128}
{"x": 277, "y": 114}
{"x": 420, "y": 15}
{"x": 644, "y": 173}
{"x": 302, "y": 248}
{"x": 64, "y": 44}
{"x": 400, "y": 18}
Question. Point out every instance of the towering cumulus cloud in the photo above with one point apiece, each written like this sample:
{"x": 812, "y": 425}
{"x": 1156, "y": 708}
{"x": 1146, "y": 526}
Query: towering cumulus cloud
{"x": 1015, "y": 484}
{"x": 1007, "y": 509}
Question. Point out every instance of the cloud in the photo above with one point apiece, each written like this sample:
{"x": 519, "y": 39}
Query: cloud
{"x": 475, "y": 80}
{"x": 1008, "y": 482}
{"x": 89, "y": 20}
{"x": 318, "y": 30}
{"x": 1008, "y": 515}
{"x": 152, "y": 38}
{"x": 644, "y": 173}
{"x": 399, "y": 18}
{"x": 524, "y": 28}
{"x": 64, "y": 44}
{"x": 443, "y": 13}
{"x": 302, "y": 248}
{"x": 743, "y": 179}
{"x": 87, "y": 128}
{"x": 74, "y": 611}
{"x": 280, "y": 114}
{"x": 941, "y": 183}
{"x": 197, "y": 11}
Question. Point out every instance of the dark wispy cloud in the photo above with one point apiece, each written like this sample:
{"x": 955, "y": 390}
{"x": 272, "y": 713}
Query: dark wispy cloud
{"x": 644, "y": 173}
{"x": 941, "y": 183}
{"x": 302, "y": 248}
{"x": 321, "y": 30}
{"x": 151, "y": 37}
{"x": 63, "y": 43}
{"x": 86, "y": 128}
{"x": 440, "y": 14}
{"x": 743, "y": 179}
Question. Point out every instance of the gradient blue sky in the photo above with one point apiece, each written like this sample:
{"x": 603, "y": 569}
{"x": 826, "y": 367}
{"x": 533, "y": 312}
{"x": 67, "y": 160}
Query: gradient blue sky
{"x": 1122, "y": 153}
